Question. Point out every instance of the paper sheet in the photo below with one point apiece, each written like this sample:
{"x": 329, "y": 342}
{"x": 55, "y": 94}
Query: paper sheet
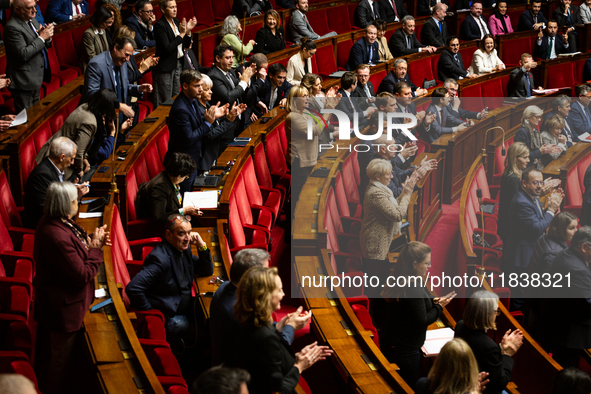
{"x": 20, "y": 118}
{"x": 202, "y": 200}
{"x": 86, "y": 215}
{"x": 585, "y": 137}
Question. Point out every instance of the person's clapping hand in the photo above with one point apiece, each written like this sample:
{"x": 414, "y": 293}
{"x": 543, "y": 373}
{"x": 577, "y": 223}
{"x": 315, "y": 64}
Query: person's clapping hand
{"x": 562, "y": 139}
{"x": 483, "y": 380}
{"x": 408, "y": 150}
{"x": 4, "y": 82}
{"x": 552, "y": 148}
{"x": 429, "y": 164}
{"x": 99, "y": 238}
{"x": 549, "y": 185}
{"x": 263, "y": 107}
{"x": 446, "y": 299}
{"x": 511, "y": 342}
{"x": 430, "y": 118}
{"x": 310, "y": 355}
{"x": 555, "y": 199}
{"x": 191, "y": 24}
{"x": 236, "y": 110}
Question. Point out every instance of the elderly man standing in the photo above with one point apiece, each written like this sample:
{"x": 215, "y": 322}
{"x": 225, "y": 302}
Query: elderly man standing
{"x": 27, "y": 60}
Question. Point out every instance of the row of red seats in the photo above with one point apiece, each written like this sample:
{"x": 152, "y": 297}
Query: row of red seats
{"x": 575, "y": 186}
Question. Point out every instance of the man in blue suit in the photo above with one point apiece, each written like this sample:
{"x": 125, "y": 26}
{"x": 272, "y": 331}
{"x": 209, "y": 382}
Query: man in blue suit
{"x": 528, "y": 222}
{"x": 444, "y": 123}
{"x": 166, "y": 278}
{"x": 580, "y": 116}
{"x": 60, "y": 11}
{"x": 365, "y": 50}
{"x": 186, "y": 123}
{"x": 108, "y": 70}
{"x": 475, "y": 26}
{"x": 142, "y": 23}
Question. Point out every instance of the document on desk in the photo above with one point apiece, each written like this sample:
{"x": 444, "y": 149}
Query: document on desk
{"x": 546, "y": 91}
{"x": 585, "y": 137}
{"x": 203, "y": 200}
{"x": 20, "y": 118}
{"x": 435, "y": 340}
{"x": 86, "y": 215}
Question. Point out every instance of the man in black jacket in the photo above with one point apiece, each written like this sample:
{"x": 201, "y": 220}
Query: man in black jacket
{"x": 364, "y": 89}
{"x": 366, "y": 12}
{"x": 474, "y": 26}
{"x": 532, "y": 18}
{"x": 392, "y": 10}
{"x": 404, "y": 40}
{"x": 451, "y": 64}
{"x": 551, "y": 44}
{"x": 427, "y": 7}
{"x": 434, "y": 30}
{"x": 399, "y": 73}
{"x": 568, "y": 15}
{"x": 142, "y": 23}
{"x": 521, "y": 80}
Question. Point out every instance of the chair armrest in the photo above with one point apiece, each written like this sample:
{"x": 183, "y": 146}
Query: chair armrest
{"x": 17, "y": 234}
{"x": 138, "y": 245}
{"x": 143, "y": 228}
{"x": 10, "y": 261}
{"x": 133, "y": 267}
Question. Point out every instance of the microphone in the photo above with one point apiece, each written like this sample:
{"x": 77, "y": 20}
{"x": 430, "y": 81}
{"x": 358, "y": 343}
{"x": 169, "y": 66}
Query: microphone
{"x": 479, "y": 193}
{"x": 503, "y": 151}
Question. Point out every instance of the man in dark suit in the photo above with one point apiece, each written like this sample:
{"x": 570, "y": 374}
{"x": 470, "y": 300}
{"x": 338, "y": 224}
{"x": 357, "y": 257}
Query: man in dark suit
{"x": 60, "y": 11}
{"x": 287, "y": 4}
{"x": 366, "y": 12}
{"x": 365, "y": 50}
{"x": 349, "y": 104}
{"x": 586, "y": 207}
{"x": 571, "y": 311}
{"x": 404, "y": 41}
{"x": 528, "y": 221}
{"x": 166, "y": 278}
{"x": 427, "y": 7}
{"x": 273, "y": 91}
{"x": 404, "y": 104}
{"x": 187, "y": 125}
{"x": 142, "y": 23}
{"x": 191, "y": 62}
{"x": 108, "y": 70}
{"x": 443, "y": 123}
{"x": 392, "y": 10}
{"x": 551, "y": 44}
{"x": 474, "y": 26}
{"x": 364, "y": 89}
{"x": 451, "y": 64}
{"x": 62, "y": 153}
{"x": 568, "y": 16}
{"x": 169, "y": 49}
{"x": 532, "y": 18}
{"x": 399, "y": 73}
{"x": 579, "y": 115}
{"x": 454, "y": 108}
{"x": 27, "y": 60}
{"x": 561, "y": 107}
{"x": 434, "y": 30}
{"x": 521, "y": 80}
{"x": 250, "y": 7}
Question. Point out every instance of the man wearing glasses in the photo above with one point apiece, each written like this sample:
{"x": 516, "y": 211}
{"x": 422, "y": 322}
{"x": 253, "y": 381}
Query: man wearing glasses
{"x": 528, "y": 221}
{"x": 142, "y": 22}
{"x": 454, "y": 108}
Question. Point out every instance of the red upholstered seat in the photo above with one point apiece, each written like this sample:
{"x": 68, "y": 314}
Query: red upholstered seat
{"x": 492, "y": 90}
{"x": 250, "y": 32}
{"x": 578, "y": 71}
{"x": 352, "y": 8}
{"x": 500, "y": 161}
{"x": 243, "y": 236}
{"x": 77, "y": 34}
{"x": 434, "y": 63}
{"x": 318, "y": 19}
{"x": 283, "y": 137}
{"x": 345, "y": 208}
{"x": 325, "y": 60}
{"x": 17, "y": 362}
{"x": 262, "y": 218}
{"x": 574, "y": 194}
{"x": 467, "y": 55}
{"x": 264, "y": 174}
{"x": 350, "y": 182}
{"x": 561, "y": 75}
{"x": 9, "y": 213}
{"x": 57, "y": 120}
{"x": 52, "y": 86}
{"x": 339, "y": 20}
{"x": 66, "y": 74}
{"x": 65, "y": 51}
{"x": 365, "y": 319}
{"x": 221, "y": 8}
{"x": 177, "y": 389}
{"x": 343, "y": 49}
{"x": 208, "y": 44}
{"x": 376, "y": 78}
{"x": 204, "y": 14}
{"x": 165, "y": 365}
{"x": 475, "y": 103}
{"x": 275, "y": 154}
{"x": 260, "y": 197}
{"x": 185, "y": 10}
{"x": 419, "y": 70}
{"x": 512, "y": 50}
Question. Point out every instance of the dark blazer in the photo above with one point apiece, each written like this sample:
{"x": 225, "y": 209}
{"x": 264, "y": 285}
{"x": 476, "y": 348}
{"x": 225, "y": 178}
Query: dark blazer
{"x": 587, "y": 71}
{"x": 157, "y": 199}
{"x": 586, "y": 208}
{"x": 572, "y": 312}
{"x": 60, "y": 11}
{"x": 268, "y": 358}
{"x": 210, "y": 141}
{"x": 461, "y": 113}
{"x": 157, "y": 286}
{"x": 398, "y": 45}
{"x": 437, "y": 129}
{"x": 488, "y": 356}
{"x": 575, "y": 16}
{"x": 423, "y": 6}
{"x": 64, "y": 282}
{"x": 222, "y": 90}
{"x": 526, "y": 224}
{"x": 359, "y": 54}
{"x": 545, "y": 250}
{"x": 526, "y": 20}
{"x": 522, "y": 135}
{"x": 449, "y": 68}
{"x": 249, "y": 6}
{"x": 286, "y": 3}
{"x": 541, "y": 50}
{"x": 364, "y": 15}
{"x": 360, "y": 93}
{"x": 579, "y": 122}
{"x": 470, "y": 29}
{"x": 166, "y": 44}
{"x": 187, "y": 128}
{"x": 517, "y": 86}
{"x": 510, "y": 186}
{"x": 267, "y": 42}
{"x": 351, "y": 106}
{"x": 387, "y": 12}
{"x": 99, "y": 75}
{"x": 264, "y": 93}
{"x": 35, "y": 190}
{"x": 24, "y": 54}
{"x": 143, "y": 37}
{"x": 387, "y": 84}
{"x": 430, "y": 34}
{"x": 194, "y": 62}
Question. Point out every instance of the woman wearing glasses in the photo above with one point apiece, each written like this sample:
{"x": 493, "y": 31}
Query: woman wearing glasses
{"x": 409, "y": 311}
{"x": 529, "y": 134}
{"x": 480, "y": 314}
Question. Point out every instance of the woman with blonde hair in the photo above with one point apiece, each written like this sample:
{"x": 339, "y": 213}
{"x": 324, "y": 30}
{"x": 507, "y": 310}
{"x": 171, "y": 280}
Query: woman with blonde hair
{"x": 530, "y": 135}
{"x": 552, "y": 135}
{"x": 230, "y": 34}
{"x": 480, "y": 314}
{"x": 259, "y": 348}
{"x": 409, "y": 311}
{"x": 455, "y": 371}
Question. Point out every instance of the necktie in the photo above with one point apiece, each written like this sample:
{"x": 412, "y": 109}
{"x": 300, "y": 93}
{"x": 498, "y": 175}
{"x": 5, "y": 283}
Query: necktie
{"x": 44, "y": 51}
{"x": 440, "y": 28}
{"x": 408, "y": 42}
{"x": 527, "y": 84}
{"x": 570, "y": 22}
{"x": 189, "y": 60}
{"x": 457, "y": 60}
{"x": 482, "y": 28}
{"x": 370, "y": 54}
{"x": 535, "y": 19}
{"x": 273, "y": 97}
{"x": 194, "y": 104}
{"x": 368, "y": 94}
{"x": 538, "y": 205}
{"x": 395, "y": 9}
{"x": 78, "y": 9}
{"x": 229, "y": 78}
{"x": 118, "y": 84}
{"x": 550, "y": 47}
{"x": 376, "y": 14}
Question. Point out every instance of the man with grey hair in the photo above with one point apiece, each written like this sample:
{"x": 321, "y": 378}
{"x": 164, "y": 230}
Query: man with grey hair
{"x": 571, "y": 306}
{"x": 399, "y": 73}
{"x": 434, "y": 30}
{"x": 561, "y": 106}
{"x": 62, "y": 152}
{"x": 404, "y": 40}
{"x": 455, "y": 112}
{"x": 12, "y": 383}
{"x": 580, "y": 116}
{"x": 299, "y": 26}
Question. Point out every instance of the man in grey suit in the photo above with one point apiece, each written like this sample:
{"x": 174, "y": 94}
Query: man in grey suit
{"x": 27, "y": 61}
{"x": 106, "y": 71}
{"x": 299, "y": 27}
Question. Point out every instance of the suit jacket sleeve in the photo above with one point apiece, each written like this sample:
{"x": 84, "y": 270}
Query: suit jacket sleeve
{"x": 203, "y": 265}
{"x": 398, "y": 46}
{"x": 450, "y": 66}
{"x": 14, "y": 38}
{"x": 355, "y": 56}
{"x": 467, "y": 31}
{"x": 139, "y": 40}
{"x": 271, "y": 367}
{"x": 430, "y": 34}
{"x": 88, "y": 44}
{"x": 221, "y": 91}
{"x": 499, "y": 368}
{"x": 362, "y": 16}
{"x": 516, "y": 82}
{"x": 93, "y": 77}
{"x": 162, "y": 40}
{"x": 83, "y": 139}
{"x": 299, "y": 24}
{"x": 54, "y": 12}
{"x": 161, "y": 197}
{"x": 77, "y": 271}
{"x": 137, "y": 288}
{"x": 578, "y": 121}
{"x": 182, "y": 121}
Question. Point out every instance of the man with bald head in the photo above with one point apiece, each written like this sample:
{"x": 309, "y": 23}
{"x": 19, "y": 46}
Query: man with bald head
{"x": 27, "y": 61}
{"x": 434, "y": 30}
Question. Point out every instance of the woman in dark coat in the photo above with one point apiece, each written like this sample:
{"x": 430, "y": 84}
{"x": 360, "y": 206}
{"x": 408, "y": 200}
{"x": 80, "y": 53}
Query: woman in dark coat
{"x": 67, "y": 259}
{"x": 480, "y": 314}
{"x": 409, "y": 312}
{"x": 271, "y": 37}
{"x": 259, "y": 349}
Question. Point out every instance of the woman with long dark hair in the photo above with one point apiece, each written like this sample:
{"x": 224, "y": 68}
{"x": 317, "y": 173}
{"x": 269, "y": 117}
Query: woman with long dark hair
{"x": 95, "y": 39}
{"x": 300, "y": 64}
{"x": 500, "y": 23}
